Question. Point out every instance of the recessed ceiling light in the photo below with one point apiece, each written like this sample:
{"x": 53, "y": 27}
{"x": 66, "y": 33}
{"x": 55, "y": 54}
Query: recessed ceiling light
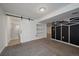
{"x": 42, "y": 9}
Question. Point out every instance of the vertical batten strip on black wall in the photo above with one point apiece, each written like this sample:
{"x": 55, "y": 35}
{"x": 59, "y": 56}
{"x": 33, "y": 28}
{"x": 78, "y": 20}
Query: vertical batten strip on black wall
{"x": 55, "y": 32}
{"x": 68, "y": 33}
{"x": 61, "y": 32}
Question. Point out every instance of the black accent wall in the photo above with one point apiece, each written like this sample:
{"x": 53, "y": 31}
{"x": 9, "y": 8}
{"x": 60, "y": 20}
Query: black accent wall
{"x": 53, "y": 32}
{"x": 58, "y": 33}
{"x": 65, "y": 33}
{"x": 74, "y": 34}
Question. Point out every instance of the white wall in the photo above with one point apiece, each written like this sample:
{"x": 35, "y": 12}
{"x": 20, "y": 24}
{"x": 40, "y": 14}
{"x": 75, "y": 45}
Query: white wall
{"x": 15, "y": 27}
{"x": 29, "y": 30}
{"x": 41, "y": 32}
{"x": 8, "y": 29}
{"x": 3, "y": 34}
{"x": 25, "y": 31}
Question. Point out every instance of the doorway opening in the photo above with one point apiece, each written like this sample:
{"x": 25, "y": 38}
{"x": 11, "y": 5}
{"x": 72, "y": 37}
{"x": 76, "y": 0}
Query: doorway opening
{"x": 49, "y": 31}
{"x": 14, "y": 31}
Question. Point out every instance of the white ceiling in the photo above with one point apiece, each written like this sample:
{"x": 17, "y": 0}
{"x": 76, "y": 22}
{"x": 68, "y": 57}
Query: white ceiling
{"x": 64, "y": 16}
{"x": 31, "y": 9}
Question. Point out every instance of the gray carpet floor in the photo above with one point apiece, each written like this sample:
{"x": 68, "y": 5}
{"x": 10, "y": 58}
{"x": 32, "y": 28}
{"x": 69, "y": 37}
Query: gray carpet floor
{"x": 41, "y": 47}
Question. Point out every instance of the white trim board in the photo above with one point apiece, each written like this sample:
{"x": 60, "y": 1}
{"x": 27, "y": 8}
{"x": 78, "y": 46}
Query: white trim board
{"x": 65, "y": 43}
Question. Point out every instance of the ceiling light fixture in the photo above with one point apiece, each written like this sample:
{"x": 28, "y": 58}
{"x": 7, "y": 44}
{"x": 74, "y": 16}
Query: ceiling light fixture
{"x": 42, "y": 9}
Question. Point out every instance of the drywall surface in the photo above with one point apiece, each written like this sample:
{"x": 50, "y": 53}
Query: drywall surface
{"x": 29, "y": 30}
{"x": 3, "y": 34}
{"x": 25, "y": 31}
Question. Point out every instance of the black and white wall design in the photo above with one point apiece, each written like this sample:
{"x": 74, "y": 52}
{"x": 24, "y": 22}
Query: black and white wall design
{"x": 68, "y": 33}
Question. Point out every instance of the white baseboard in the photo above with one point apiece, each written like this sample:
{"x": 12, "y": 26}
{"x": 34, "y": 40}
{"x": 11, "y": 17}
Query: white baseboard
{"x": 65, "y": 43}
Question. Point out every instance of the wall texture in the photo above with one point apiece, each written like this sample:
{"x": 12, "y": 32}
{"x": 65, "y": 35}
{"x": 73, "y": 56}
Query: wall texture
{"x": 3, "y": 34}
{"x": 29, "y": 30}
